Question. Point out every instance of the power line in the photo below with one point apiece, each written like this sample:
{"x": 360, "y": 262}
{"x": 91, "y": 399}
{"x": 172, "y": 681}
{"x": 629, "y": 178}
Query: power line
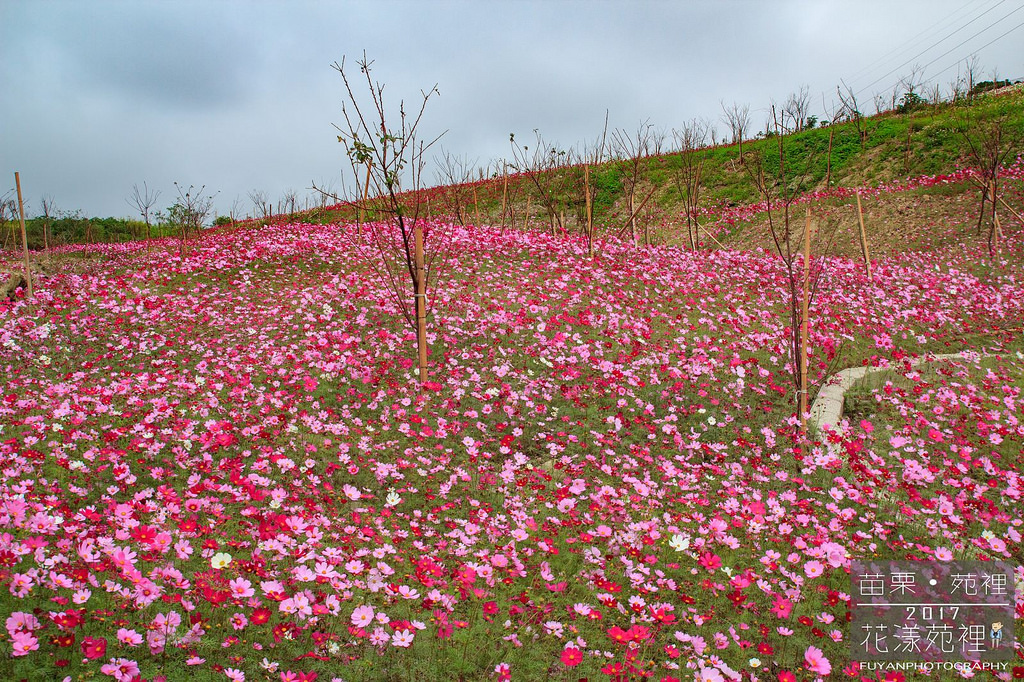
{"x": 950, "y": 18}
{"x": 1000, "y": 37}
{"x": 938, "y": 42}
{"x": 975, "y": 36}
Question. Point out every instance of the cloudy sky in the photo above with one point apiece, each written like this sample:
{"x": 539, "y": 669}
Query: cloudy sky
{"x": 239, "y": 96}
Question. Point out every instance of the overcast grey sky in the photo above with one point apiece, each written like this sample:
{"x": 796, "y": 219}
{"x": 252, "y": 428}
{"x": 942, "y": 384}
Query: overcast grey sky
{"x": 240, "y": 95}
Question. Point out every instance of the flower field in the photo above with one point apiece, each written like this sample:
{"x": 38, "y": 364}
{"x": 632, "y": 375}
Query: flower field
{"x": 221, "y": 467}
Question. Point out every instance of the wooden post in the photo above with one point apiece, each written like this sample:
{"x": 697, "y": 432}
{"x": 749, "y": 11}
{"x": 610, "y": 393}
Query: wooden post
{"x": 526, "y": 218}
{"x": 632, "y": 218}
{"x": 863, "y": 239}
{"x": 828, "y": 162}
{"x": 24, "y": 237}
{"x": 421, "y": 303}
{"x": 476, "y": 207}
{"x": 366, "y": 194}
{"x": 504, "y": 195}
{"x": 590, "y": 212}
{"x": 996, "y": 227}
{"x": 803, "y": 326}
{"x": 1010, "y": 209}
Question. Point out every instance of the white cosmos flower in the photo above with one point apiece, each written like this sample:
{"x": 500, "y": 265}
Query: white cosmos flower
{"x": 679, "y": 543}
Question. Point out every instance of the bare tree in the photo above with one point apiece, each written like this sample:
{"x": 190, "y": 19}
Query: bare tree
{"x": 658, "y": 136}
{"x": 49, "y": 208}
{"x": 881, "y": 103}
{"x": 849, "y": 110}
{"x": 796, "y": 110}
{"x": 408, "y": 254}
{"x": 737, "y": 118}
{"x": 261, "y": 206}
{"x": 287, "y": 204}
{"x": 540, "y": 167}
{"x": 911, "y": 84}
{"x": 989, "y": 144}
{"x": 631, "y": 149}
{"x": 143, "y": 201}
{"x": 691, "y": 140}
{"x": 779, "y": 186}
{"x": 8, "y": 217}
{"x": 454, "y": 174}
{"x": 972, "y": 67}
{"x": 189, "y": 213}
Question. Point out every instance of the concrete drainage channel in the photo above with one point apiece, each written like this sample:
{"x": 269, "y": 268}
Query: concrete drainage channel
{"x": 827, "y": 412}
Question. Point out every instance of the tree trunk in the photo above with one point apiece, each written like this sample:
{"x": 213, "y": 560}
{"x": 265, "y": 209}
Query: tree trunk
{"x": 632, "y": 219}
{"x": 804, "y": 305}
{"x": 590, "y": 216}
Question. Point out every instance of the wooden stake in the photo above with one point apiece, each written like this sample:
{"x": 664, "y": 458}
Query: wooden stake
{"x": 476, "y": 207}
{"x": 590, "y": 212}
{"x": 996, "y": 227}
{"x": 504, "y": 195}
{"x": 828, "y": 162}
{"x": 24, "y": 237}
{"x": 421, "y": 303}
{"x": 366, "y": 195}
{"x": 803, "y": 327}
{"x": 1010, "y": 209}
{"x": 863, "y": 239}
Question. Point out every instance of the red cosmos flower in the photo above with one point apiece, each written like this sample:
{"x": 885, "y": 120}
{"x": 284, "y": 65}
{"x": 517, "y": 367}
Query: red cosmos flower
{"x": 615, "y": 668}
{"x": 93, "y": 648}
{"x": 710, "y": 561}
{"x": 64, "y": 640}
{"x": 618, "y": 634}
{"x": 260, "y": 616}
{"x": 215, "y": 597}
{"x": 786, "y": 676}
{"x": 571, "y": 657}
{"x": 638, "y": 633}
{"x": 662, "y": 616}
{"x": 144, "y": 534}
{"x": 67, "y": 620}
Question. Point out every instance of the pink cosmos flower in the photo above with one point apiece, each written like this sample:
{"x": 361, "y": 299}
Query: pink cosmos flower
{"x": 816, "y": 662}
{"x": 813, "y": 569}
{"x": 121, "y": 669}
{"x": 402, "y": 638}
{"x": 23, "y": 643}
{"x": 362, "y": 616}
{"x": 129, "y": 637}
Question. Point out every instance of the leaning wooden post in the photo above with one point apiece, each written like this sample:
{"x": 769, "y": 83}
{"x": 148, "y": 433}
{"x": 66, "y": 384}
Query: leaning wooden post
{"x": 421, "y": 302}
{"x": 590, "y": 212}
{"x": 803, "y": 326}
{"x": 24, "y": 237}
{"x": 863, "y": 239}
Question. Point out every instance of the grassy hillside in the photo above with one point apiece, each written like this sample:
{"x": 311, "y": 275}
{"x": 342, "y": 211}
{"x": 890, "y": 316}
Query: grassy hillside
{"x": 926, "y": 140}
